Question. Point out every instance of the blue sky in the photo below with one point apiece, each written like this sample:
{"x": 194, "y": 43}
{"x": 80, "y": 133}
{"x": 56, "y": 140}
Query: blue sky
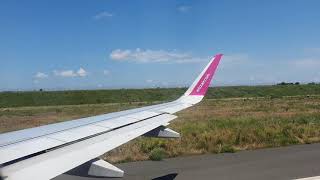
{"x": 135, "y": 44}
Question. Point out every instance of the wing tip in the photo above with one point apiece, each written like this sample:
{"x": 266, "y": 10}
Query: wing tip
{"x": 206, "y": 77}
{"x": 200, "y": 86}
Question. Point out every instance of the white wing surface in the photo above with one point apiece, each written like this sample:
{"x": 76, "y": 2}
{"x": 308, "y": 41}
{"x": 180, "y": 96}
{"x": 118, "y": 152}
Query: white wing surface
{"x": 45, "y": 152}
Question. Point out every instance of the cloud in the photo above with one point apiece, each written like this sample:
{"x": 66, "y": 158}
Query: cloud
{"x": 244, "y": 69}
{"x": 184, "y": 8}
{"x": 65, "y": 73}
{"x": 149, "y": 81}
{"x": 236, "y": 59}
{"x": 119, "y": 54}
{"x": 106, "y": 72}
{"x": 103, "y": 15}
{"x": 71, "y": 73}
{"x": 307, "y": 63}
{"x": 82, "y": 73}
{"x": 152, "y": 56}
{"x": 41, "y": 75}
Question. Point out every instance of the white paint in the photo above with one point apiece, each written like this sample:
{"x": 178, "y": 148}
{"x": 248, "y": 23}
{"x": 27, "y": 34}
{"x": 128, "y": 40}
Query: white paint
{"x": 102, "y": 168}
{"x": 162, "y": 132}
{"x": 310, "y": 178}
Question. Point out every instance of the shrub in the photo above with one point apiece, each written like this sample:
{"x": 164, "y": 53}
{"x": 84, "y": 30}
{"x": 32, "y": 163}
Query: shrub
{"x": 157, "y": 154}
{"x": 227, "y": 149}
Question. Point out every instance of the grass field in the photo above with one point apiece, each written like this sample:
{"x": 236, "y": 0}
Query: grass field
{"x": 51, "y": 98}
{"x": 227, "y": 121}
{"x": 217, "y": 126}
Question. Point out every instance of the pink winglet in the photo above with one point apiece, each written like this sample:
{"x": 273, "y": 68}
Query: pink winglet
{"x": 204, "y": 82}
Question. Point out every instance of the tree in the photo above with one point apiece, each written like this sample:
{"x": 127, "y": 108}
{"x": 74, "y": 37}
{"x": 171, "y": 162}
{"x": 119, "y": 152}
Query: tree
{"x": 282, "y": 83}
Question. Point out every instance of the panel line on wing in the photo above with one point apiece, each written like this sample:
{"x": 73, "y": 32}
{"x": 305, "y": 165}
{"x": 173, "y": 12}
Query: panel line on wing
{"x": 4, "y": 137}
{"x": 5, "y": 162}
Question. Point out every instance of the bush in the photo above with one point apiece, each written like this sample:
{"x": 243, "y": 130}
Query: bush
{"x": 157, "y": 154}
{"x": 227, "y": 149}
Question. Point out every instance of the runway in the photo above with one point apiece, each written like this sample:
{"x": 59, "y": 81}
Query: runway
{"x": 292, "y": 162}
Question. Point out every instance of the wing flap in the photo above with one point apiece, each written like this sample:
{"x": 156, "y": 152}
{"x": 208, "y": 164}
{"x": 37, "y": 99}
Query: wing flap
{"x": 22, "y": 149}
{"x": 78, "y": 133}
{"x": 127, "y": 119}
{"x": 116, "y": 122}
{"x": 143, "y": 115}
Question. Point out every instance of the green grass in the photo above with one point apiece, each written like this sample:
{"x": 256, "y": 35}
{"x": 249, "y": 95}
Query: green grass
{"x": 274, "y": 91}
{"x": 51, "y": 98}
{"x": 157, "y": 154}
{"x": 17, "y": 99}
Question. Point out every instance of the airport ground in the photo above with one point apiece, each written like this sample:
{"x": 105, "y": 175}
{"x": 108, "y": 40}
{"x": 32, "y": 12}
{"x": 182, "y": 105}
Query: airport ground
{"x": 263, "y": 132}
{"x": 284, "y": 163}
{"x": 229, "y": 120}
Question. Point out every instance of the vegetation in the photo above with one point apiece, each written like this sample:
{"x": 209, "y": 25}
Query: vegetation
{"x": 230, "y": 125}
{"x": 52, "y": 98}
{"x": 239, "y": 118}
{"x": 157, "y": 154}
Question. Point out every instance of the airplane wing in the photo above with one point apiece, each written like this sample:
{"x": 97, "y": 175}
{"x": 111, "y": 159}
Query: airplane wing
{"x": 45, "y": 152}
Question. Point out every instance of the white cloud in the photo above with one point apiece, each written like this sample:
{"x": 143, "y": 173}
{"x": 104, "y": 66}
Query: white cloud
{"x": 82, "y": 73}
{"x": 244, "y": 69}
{"x": 71, "y": 73}
{"x": 64, "y": 73}
{"x": 149, "y": 81}
{"x": 148, "y": 56}
{"x": 106, "y": 72}
{"x": 103, "y": 15}
{"x": 40, "y": 75}
{"x": 119, "y": 54}
{"x": 184, "y": 8}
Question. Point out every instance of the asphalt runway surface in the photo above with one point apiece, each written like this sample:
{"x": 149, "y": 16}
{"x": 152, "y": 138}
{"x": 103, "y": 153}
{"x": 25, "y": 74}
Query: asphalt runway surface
{"x": 275, "y": 163}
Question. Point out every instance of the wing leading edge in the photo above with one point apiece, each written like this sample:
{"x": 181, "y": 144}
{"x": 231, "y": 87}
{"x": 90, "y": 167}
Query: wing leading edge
{"x": 47, "y": 151}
